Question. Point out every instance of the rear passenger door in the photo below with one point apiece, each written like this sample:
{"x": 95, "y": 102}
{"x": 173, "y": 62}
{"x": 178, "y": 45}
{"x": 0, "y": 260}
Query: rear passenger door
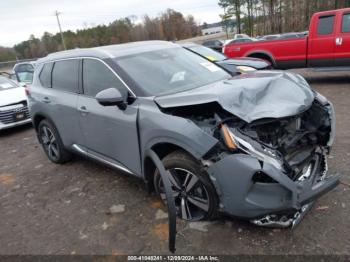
{"x": 342, "y": 39}
{"x": 322, "y": 42}
{"x": 110, "y": 133}
{"x": 58, "y": 95}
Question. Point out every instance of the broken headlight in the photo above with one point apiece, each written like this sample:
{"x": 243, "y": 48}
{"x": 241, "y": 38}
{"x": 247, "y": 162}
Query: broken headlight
{"x": 263, "y": 154}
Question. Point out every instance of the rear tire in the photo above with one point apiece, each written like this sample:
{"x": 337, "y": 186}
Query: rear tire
{"x": 195, "y": 196}
{"x": 52, "y": 144}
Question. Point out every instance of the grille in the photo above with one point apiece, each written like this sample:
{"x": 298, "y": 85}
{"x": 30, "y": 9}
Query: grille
{"x": 7, "y": 116}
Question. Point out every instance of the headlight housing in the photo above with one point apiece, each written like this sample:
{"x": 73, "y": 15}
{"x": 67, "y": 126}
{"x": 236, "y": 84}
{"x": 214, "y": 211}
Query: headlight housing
{"x": 234, "y": 142}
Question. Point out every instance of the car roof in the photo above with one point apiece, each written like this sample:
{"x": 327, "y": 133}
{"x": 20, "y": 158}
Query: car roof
{"x": 110, "y": 51}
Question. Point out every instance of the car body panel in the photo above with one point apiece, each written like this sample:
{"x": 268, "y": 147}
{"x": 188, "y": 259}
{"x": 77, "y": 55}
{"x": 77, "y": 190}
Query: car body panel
{"x": 242, "y": 197}
{"x": 158, "y": 128}
{"x": 12, "y": 96}
{"x": 105, "y": 130}
{"x": 60, "y": 107}
{"x": 262, "y": 94}
{"x": 258, "y": 64}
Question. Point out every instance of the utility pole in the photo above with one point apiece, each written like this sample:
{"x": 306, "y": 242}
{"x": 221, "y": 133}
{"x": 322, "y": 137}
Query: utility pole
{"x": 59, "y": 26}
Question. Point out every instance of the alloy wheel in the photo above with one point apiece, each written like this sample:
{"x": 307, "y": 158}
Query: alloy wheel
{"x": 49, "y": 142}
{"x": 190, "y": 194}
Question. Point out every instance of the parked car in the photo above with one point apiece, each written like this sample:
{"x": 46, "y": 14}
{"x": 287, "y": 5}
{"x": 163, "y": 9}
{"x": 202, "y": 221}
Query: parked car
{"x": 234, "y": 66}
{"x": 269, "y": 37}
{"x": 240, "y": 40}
{"x": 327, "y": 45}
{"x": 11, "y": 76}
{"x": 291, "y": 35}
{"x": 24, "y": 72}
{"x": 252, "y": 146}
{"x": 13, "y": 104}
{"x": 240, "y": 36}
{"x": 214, "y": 44}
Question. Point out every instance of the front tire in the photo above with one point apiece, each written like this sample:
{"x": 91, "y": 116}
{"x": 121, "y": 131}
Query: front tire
{"x": 195, "y": 197}
{"x": 51, "y": 142}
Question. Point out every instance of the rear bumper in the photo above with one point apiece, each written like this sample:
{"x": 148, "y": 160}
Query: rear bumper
{"x": 14, "y": 124}
{"x": 242, "y": 197}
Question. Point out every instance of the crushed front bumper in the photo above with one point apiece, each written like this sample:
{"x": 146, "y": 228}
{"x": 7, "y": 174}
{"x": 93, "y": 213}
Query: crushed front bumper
{"x": 242, "y": 197}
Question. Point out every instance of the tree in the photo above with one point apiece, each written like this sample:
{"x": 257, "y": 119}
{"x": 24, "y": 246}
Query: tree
{"x": 276, "y": 16}
{"x": 233, "y": 7}
{"x": 169, "y": 25}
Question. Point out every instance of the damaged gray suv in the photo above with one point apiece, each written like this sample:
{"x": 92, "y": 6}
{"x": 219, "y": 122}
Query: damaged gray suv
{"x": 252, "y": 146}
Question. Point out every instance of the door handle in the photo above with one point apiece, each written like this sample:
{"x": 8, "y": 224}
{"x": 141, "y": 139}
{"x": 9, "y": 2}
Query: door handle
{"x": 83, "y": 109}
{"x": 46, "y": 100}
{"x": 339, "y": 41}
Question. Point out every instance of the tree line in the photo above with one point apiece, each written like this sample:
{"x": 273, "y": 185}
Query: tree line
{"x": 262, "y": 17}
{"x": 169, "y": 25}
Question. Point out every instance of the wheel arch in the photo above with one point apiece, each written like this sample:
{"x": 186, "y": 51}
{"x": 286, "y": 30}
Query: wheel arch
{"x": 37, "y": 118}
{"x": 162, "y": 149}
{"x": 262, "y": 54}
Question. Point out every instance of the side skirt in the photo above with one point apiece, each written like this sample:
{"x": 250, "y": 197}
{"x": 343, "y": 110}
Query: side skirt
{"x": 83, "y": 151}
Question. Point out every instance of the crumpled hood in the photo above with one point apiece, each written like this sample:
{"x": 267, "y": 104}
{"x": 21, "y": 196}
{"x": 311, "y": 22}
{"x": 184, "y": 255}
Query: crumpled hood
{"x": 12, "y": 96}
{"x": 253, "y": 96}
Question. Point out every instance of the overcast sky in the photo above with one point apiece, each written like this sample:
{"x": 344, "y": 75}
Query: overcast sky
{"x": 21, "y": 18}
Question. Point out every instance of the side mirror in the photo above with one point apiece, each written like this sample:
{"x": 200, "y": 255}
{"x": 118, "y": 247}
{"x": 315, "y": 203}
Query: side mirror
{"x": 111, "y": 97}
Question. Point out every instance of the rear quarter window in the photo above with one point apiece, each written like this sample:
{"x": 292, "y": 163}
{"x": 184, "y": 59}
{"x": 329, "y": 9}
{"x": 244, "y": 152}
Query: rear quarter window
{"x": 45, "y": 75}
{"x": 65, "y": 75}
{"x": 325, "y": 25}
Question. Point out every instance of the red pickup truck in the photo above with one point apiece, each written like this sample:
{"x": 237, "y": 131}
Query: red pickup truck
{"x": 327, "y": 45}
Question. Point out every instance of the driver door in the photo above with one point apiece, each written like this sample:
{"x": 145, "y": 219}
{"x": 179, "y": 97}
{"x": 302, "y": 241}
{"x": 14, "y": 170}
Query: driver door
{"x": 110, "y": 134}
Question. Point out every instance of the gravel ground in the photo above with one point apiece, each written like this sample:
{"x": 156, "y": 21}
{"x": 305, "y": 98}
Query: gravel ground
{"x": 85, "y": 208}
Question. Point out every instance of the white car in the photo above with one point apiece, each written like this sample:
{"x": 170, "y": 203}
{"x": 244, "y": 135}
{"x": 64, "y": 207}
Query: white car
{"x": 13, "y": 104}
{"x": 24, "y": 72}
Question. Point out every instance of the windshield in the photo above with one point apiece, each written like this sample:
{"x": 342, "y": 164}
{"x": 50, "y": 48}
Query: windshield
{"x": 170, "y": 70}
{"x": 208, "y": 53}
{"x": 6, "y": 84}
{"x": 26, "y": 77}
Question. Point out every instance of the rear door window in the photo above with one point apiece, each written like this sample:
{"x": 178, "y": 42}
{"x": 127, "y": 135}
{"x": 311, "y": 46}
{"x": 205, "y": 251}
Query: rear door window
{"x": 346, "y": 23}
{"x": 65, "y": 75}
{"x": 325, "y": 25}
{"x": 45, "y": 75}
{"x": 97, "y": 77}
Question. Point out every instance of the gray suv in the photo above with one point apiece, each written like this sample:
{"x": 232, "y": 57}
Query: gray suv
{"x": 252, "y": 146}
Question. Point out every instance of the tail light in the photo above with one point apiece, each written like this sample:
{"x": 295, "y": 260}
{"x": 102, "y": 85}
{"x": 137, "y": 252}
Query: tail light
{"x": 27, "y": 90}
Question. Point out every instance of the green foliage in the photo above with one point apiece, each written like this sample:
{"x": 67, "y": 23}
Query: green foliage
{"x": 169, "y": 25}
{"x": 260, "y": 17}
{"x": 7, "y": 54}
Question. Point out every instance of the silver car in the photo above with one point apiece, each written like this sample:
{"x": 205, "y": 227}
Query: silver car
{"x": 13, "y": 104}
{"x": 252, "y": 146}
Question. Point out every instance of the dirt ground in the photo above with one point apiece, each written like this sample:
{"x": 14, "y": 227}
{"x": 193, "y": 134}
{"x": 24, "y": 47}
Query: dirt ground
{"x": 66, "y": 209}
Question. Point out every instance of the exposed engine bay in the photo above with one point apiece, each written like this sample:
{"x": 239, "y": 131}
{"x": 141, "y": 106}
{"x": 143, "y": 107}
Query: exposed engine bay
{"x": 269, "y": 163}
{"x": 293, "y": 139}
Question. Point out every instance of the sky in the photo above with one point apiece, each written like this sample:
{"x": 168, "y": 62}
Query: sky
{"x": 21, "y": 18}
